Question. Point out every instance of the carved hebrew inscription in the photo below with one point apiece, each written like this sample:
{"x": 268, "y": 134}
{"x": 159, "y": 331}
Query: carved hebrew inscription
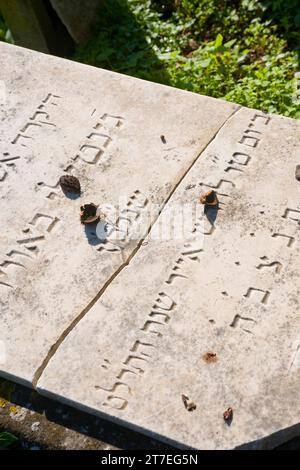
{"x": 153, "y": 328}
{"x": 26, "y": 136}
{"x": 27, "y": 247}
{"x": 41, "y": 118}
{"x": 140, "y": 353}
{"x": 7, "y": 164}
{"x": 235, "y": 166}
{"x": 90, "y": 150}
{"x": 126, "y": 220}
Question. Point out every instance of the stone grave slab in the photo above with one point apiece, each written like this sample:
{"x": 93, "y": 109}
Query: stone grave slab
{"x": 129, "y": 142}
{"x": 198, "y": 324}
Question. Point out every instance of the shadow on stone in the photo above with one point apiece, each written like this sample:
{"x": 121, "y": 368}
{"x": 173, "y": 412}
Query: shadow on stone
{"x": 92, "y": 232}
{"x": 52, "y": 414}
{"x": 71, "y": 194}
{"x": 211, "y": 213}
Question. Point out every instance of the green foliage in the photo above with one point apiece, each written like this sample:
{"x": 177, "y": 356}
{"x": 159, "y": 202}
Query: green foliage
{"x": 3, "y": 29}
{"x": 7, "y": 440}
{"x": 120, "y": 43}
{"x": 239, "y": 50}
{"x": 246, "y": 51}
{"x": 287, "y": 14}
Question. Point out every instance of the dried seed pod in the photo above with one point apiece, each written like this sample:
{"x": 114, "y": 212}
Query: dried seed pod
{"x": 209, "y": 198}
{"x": 88, "y": 213}
{"x": 70, "y": 184}
{"x": 228, "y": 415}
{"x": 297, "y": 172}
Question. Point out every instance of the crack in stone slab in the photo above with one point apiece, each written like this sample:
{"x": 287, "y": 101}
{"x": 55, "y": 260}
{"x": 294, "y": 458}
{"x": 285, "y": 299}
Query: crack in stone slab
{"x": 153, "y": 334}
{"x": 38, "y": 373}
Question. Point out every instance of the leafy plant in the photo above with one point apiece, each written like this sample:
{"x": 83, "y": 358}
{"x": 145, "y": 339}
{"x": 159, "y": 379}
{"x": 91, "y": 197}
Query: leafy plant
{"x": 287, "y": 14}
{"x": 7, "y": 440}
{"x": 235, "y": 50}
{"x": 3, "y": 29}
{"x": 246, "y": 51}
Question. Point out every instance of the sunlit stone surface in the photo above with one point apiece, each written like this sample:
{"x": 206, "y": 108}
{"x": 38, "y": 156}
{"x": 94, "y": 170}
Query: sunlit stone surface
{"x": 59, "y": 117}
{"x": 160, "y": 332}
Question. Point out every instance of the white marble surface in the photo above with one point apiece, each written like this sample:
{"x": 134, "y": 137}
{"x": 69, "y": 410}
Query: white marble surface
{"x": 58, "y": 117}
{"x": 122, "y": 332}
{"x": 234, "y": 294}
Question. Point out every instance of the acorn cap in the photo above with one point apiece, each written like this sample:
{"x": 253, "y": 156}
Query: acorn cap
{"x": 69, "y": 183}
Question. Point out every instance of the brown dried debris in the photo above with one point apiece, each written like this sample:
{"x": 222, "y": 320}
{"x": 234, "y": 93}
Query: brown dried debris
{"x": 209, "y": 198}
{"x": 189, "y": 405}
{"x": 297, "y": 173}
{"x": 228, "y": 415}
{"x": 210, "y": 357}
{"x": 88, "y": 213}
